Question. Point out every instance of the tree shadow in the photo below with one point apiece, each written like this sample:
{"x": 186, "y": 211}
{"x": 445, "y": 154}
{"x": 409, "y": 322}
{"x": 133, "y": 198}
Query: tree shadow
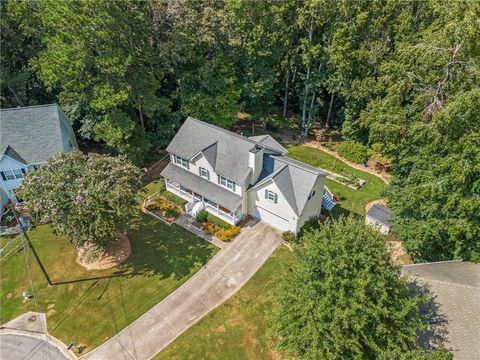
{"x": 166, "y": 250}
{"x": 338, "y": 211}
{"x": 436, "y": 331}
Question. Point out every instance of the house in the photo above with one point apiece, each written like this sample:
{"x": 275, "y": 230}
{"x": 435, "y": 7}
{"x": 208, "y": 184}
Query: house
{"x": 379, "y": 217}
{"x": 454, "y": 308}
{"x": 232, "y": 176}
{"x": 28, "y": 137}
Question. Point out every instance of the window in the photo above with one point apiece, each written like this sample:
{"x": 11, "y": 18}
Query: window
{"x": 226, "y": 182}
{"x": 9, "y": 175}
{"x": 181, "y": 161}
{"x": 312, "y": 194}
{"x": 18, "y": 173}
{"x": 204, "y": 173}
{"x": 272, "y": 196}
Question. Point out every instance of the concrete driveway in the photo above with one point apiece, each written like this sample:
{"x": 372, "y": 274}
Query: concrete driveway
{"x": 218, "y": 280}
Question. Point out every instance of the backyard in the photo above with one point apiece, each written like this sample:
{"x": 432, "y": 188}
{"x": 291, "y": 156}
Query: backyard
{"x": 88, "y": 307}
{"x": 352, "y": 201}
{"x": 238, "y": 328}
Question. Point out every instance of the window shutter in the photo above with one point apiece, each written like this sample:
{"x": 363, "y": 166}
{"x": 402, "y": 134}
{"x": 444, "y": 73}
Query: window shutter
{"x": 266, "y": 193}
{"x": 23, "y": 171}
{"x": 3, "y": 175}
{"x": 200, "y": 171}
{"x": 276, "y": 198}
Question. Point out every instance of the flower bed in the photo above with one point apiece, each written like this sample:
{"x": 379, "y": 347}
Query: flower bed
{"x": 163, "y": 208}
{"x": 223, "y": 233}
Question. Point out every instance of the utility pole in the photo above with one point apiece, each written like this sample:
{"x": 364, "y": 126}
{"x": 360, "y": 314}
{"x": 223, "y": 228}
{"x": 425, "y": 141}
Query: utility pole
{"x": 24, "y": 233}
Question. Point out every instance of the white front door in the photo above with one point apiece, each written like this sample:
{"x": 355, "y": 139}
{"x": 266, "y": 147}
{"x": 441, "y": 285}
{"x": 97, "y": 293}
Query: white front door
{"x": 271, "y": 218}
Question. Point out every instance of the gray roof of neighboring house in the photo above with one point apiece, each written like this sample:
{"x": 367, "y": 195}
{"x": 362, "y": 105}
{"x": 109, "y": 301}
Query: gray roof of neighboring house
{"x": 227, "y": 150}
{"x": 454, "y": 288}
{"x": 202, "y": 186}
{"x": 33, "y": 131}
{"x": 294, "y": 178}
{"x": 11, "y": 153}
{"x": 380, "y": 213}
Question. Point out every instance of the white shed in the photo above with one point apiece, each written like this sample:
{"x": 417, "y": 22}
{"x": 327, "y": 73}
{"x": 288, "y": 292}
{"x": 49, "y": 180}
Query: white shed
{"x": 379, "y": 217}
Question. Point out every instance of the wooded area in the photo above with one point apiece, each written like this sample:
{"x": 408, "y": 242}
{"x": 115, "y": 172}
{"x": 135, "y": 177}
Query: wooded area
{"x": 400, "y": 77}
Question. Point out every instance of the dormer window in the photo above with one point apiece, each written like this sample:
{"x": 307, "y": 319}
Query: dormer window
{"x": 226, "y": 182}
{"x": 204, "y": 173}
{"x": 181, "y": 161}
{"x": 312, "y": 194}
{"x": 272, "y": 196}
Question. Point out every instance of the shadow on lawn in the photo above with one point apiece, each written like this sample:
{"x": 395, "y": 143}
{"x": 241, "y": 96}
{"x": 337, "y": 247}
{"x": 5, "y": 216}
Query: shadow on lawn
{"x": 157, "y": 249}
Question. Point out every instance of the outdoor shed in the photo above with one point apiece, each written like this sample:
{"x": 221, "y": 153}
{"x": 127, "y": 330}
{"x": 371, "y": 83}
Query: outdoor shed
{"x": 379, "y": 217}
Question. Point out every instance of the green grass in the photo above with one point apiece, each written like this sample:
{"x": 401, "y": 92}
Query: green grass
{"x": 89, "y": 307}
{"x": 238, "y": 329}
{"x": 354, "y": 201}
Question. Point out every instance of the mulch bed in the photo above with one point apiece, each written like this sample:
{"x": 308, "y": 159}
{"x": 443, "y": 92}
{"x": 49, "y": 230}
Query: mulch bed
{"x": 91, "y": 259}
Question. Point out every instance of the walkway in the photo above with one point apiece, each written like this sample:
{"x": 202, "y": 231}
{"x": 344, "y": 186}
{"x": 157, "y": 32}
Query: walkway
{"x": 217, "y": 281}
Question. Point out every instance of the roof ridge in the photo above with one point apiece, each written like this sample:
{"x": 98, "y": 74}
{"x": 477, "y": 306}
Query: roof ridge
{"x": 241, "y": 137}
{"x": 29, "y": 107}
{"x": 294, "y": 163}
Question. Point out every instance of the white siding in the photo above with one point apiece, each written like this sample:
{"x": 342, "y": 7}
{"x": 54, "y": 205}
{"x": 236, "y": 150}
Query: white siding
{"x": 256, "y": 198}
{"x": 6, "y": 163}
{"x": 200, "y": 161}
{"x": 380, "y": 227}
{"x": 314, "y": 205}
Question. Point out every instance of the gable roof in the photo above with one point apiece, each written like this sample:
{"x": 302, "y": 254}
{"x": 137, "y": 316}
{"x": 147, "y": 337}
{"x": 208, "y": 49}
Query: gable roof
{"x": 267, "y": 140}
{"x": 228, "y": 151}
{"x": 380, "y": 213}
{"x": 11, "y": 153}
{"x": 33, "y": 131}
{"x": 293, "y": 178}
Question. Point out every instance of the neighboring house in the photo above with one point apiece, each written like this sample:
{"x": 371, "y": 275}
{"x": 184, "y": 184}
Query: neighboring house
{"x": 454, "y": 310}
{"x": 232, "y": 176}
{"x": 379, "y": 217}
{"x": 28, "y": 137}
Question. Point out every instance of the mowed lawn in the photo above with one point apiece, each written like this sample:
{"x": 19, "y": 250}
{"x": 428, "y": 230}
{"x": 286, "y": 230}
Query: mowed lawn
{"x": 238, "y": 329}
{"x": 88, "y": 307}
{"x": 353, "y": 201}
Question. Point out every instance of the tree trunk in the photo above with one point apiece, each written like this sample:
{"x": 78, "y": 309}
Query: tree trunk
{"x": 287, "y": 78}
{"x": 19, "y": 102}
{"x": 307, "y": 80}
{"x": 140, "y": 111}
{"x": 330, "y": 109}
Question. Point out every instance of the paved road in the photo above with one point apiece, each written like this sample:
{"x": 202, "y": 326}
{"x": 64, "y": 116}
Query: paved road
{"x": 218, "y": 280}
{"x": 16, "y": 347}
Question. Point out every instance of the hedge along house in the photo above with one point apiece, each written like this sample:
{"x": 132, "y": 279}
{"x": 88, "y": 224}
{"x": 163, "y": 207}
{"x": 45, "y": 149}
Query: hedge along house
{"x": 232, "y": 176}
{"x": 28, "y": 137}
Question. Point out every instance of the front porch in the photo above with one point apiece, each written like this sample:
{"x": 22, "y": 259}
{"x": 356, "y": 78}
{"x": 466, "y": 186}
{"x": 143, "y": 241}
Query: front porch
{"x": 196, "y": 202}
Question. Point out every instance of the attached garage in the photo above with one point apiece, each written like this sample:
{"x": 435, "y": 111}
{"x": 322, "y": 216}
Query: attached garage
{"x": 271, "y": 218}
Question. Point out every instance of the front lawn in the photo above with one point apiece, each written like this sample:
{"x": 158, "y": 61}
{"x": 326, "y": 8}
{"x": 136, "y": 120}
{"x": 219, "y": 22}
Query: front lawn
{"x": 89, "y": 307}
{"x": 353, "y": 201}
{"x": 238, "y": 328}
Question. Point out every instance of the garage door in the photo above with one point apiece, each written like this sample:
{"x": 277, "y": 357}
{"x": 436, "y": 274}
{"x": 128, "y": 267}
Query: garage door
{"x": 271, "y": 218}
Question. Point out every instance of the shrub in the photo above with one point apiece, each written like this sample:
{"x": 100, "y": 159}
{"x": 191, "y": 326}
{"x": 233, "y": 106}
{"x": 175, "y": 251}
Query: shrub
{"x": 311, "y": 224}
{"x": 288, "y": 236}
{"x": 202, "y": 215}
{"x": 165, "y": 205}
{"x": 227, "y": 234}
{"x": 210, "y": 228}
{"x": 329, "y": 144}
{"x": 353, "y": 151}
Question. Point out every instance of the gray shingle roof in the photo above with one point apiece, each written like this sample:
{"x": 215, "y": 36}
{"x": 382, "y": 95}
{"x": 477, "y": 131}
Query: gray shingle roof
{"x": 294, "y": 179}
{"x": 11, "y": 153}
{"x": 380, "y": 213}
{"x": 34, "y": 131}
{"x": 202, "y": 186}
{"x": 231, "y": 155}
{"x": 267, "y": 140}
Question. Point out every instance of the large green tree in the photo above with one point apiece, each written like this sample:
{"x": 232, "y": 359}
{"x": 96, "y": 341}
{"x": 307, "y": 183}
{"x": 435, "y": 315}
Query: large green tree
{"x": 88, "y": 198}
{"x": 344, "y": 299}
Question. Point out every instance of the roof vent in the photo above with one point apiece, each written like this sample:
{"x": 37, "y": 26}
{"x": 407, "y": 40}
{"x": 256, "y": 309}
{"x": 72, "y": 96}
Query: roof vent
{"x": 256, "y": 149}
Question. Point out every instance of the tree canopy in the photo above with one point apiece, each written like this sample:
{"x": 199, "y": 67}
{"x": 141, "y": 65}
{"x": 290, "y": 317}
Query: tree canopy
{"x": 88, "y": 198}
{"x": 389, "y": 74}
{"x": 344, "y": 299}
